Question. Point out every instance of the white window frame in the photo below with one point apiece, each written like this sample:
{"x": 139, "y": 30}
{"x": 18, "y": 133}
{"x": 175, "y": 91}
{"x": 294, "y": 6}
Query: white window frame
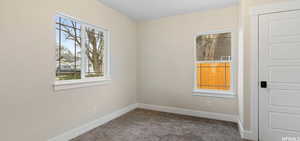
{"x": 217, "y": 93}
{"x": 84, "y": 81}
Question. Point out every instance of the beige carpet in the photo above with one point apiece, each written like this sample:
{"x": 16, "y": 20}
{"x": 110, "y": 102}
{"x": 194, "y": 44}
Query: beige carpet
{"x": 145, "y": 125}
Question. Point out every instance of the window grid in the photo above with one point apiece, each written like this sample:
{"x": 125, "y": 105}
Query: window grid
{"x": 79, "y": 42}
{"x": 213, "y": 76}
{"x": 71, "y": 73}
{"x": 213, "y": 65}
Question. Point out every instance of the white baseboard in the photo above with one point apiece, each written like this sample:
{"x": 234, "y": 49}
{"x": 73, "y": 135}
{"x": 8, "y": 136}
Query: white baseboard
{"x": 246, "y": 134}
{"x": 202, "y": 114}
{"x": 91, "y": 125}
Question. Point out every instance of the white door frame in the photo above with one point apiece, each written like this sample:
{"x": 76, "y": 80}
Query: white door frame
{"x": 255, "y": 13}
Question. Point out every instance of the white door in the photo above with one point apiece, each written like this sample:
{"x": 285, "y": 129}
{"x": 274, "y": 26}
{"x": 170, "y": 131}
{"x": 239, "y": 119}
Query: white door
{"x": 279, "y": 66}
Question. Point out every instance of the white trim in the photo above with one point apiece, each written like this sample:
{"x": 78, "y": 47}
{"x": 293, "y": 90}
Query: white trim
{"x": 215, "y": 93}
{"x": 72, "y": 84}
{"x": 246, "y": 134}
{"x": 224, "y": 95}
{"x": 213, "y": 61}
{"x": 241, "y": 128}
{"x": 62, "y": 14}
{"x": 91, "y": 125}
{"x": 87, "y": 81}
{"x": 255, "y": 13}
{"x": 214, "y": 32}
{"x": 275, "y": 8}
{"x": 254, "y": 77}
{"x": 195, "y": 113}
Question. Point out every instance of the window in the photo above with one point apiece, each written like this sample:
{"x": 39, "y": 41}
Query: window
{"x": 213, "y": 63}
{"x": 81, "y": 52}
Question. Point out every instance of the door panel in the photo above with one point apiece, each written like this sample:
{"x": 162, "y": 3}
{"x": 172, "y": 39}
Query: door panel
{"x": 288, "y": 98}
{"x": 279, "y": 65}
{"x": 284, "y": 74}
{"x": 285, "y": 51}
{"x": 277, "y": 24}
{"x": 291, "y": 121}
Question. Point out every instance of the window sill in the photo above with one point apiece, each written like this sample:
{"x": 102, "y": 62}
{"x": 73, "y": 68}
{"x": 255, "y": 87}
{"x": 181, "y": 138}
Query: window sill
{"x": 213, "y": 93}
{"x": 72, "y": 84}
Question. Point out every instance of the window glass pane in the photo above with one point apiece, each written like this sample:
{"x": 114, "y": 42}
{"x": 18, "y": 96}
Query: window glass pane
{"x": 213, "y": 66}
{"x": 213, "y": 47}
{"x": 95, "y": 52}
{"x": 68, "y": 51}
{"x": 215, "y": 76}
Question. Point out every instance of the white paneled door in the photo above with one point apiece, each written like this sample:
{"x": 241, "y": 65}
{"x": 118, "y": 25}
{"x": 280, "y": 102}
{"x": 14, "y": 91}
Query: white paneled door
{"x": 279, "y": 67}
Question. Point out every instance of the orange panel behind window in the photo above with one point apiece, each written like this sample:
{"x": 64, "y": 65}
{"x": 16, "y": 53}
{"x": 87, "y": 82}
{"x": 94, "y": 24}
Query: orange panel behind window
{"x": 214, "y": 76}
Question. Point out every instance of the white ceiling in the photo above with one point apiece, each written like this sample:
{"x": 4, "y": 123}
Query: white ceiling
{"x": 152, "y": 9}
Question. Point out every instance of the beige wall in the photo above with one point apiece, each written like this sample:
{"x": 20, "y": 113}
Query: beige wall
{"x": 29, "y": 108}
{"x": 32, "y": 111}
{"x": 245, "y": 6}
{"x": 165, "y": 60}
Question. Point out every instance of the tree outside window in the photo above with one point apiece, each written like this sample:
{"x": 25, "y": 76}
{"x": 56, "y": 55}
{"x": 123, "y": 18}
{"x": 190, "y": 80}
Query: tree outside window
{"x": 80, "y": 51}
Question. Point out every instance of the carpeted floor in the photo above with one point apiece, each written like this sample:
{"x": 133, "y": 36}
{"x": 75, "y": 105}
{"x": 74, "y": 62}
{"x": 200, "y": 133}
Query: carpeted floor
{"x": 145, "y": 125}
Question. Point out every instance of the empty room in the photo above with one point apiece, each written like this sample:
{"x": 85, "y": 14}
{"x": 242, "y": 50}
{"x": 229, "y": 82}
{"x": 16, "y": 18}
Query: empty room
{"x": 150, "y": 70}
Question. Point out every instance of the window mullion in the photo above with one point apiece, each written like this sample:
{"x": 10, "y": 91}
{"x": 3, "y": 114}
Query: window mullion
{"x": 59, "y": 51}
{"x": 105, "y": 55}
{"x": 216, "y": 68}
{"x": 83, "y": 58}
{"x": 87, "y": 62}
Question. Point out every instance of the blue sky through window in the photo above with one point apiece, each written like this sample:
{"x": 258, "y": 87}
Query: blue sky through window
{"x": 67, "y": 43}
{"x": 68, "y": 51}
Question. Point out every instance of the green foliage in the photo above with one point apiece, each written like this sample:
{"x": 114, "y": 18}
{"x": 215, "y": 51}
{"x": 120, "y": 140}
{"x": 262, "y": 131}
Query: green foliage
{"x": 95, "y": 74}
{"x": 68, "y": 75}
